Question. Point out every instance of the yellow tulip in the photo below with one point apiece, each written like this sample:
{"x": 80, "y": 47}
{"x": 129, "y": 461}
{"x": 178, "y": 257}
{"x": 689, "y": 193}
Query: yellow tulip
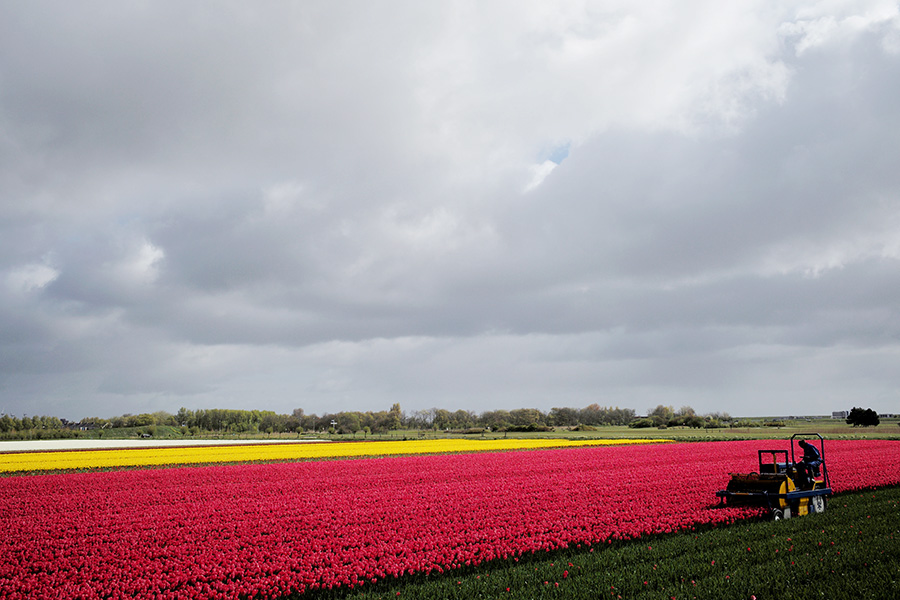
{"x": 195, "y": 455}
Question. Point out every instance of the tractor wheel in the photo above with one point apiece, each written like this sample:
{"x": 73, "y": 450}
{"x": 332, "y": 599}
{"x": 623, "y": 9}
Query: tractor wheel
{"x": 777, "y": 515}
{"x": 817, "y": 504}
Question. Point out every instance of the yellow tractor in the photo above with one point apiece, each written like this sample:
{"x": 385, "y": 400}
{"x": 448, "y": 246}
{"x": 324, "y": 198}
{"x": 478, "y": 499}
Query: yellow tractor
{"x": 786, "y": 488}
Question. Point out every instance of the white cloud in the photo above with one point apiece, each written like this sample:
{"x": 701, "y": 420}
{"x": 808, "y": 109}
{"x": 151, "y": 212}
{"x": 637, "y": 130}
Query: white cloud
{"x": 812, "y": 259}
{"x": 31, "y": 277}
{"x": 141, "y": 266}
{"x": 539, "y": 173}
{"x": 826, "y": 23}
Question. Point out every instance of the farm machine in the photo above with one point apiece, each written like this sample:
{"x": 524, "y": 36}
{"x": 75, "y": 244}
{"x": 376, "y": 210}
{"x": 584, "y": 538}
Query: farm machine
{"x": 786, "y": 488}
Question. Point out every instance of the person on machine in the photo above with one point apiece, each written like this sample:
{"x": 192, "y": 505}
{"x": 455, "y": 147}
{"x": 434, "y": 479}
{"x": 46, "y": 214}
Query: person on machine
{"x": 809, "y": 464}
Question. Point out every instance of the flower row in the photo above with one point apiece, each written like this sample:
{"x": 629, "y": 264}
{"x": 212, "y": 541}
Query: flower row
{"x": 268, "y": 530}
{"x": 187, "y": 455}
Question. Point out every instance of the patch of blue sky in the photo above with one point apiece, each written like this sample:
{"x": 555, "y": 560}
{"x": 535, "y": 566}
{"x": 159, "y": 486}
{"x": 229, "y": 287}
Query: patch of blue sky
{"x": 559, "y": 153}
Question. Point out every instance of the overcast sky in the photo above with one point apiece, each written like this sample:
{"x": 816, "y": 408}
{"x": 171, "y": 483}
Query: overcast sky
{"x": 478, "y": 205}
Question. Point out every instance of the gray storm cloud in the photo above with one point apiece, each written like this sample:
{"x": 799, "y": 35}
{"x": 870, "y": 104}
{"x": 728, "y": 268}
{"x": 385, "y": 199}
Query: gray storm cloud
{"x": 455, "y": 205}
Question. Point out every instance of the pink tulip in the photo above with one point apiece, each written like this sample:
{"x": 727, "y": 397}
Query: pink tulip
{"x": 270, "y": 530}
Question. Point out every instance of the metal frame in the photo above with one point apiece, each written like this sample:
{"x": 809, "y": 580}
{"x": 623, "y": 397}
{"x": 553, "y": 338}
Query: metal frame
{"x": 778, "y": 467}
{"x": 824, "y": 465}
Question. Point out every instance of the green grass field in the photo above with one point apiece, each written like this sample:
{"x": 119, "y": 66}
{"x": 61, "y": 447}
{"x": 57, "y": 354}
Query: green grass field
{"x": 850, "y": 551}
{"x": 829, "y": 428}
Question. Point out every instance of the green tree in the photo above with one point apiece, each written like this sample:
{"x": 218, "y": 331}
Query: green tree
{"x": 441, "y": 419}
{"x": 686, "y": 417}
{"x": 620, "y": 416}
{"x": 462, "y": 419}
{"x": 270, "y": 421}
{"x": 420, "y": 419}
{"x": 859, "y": 417}
{"x": 592, "y": 414}
{"x": 7, "y": 423}
{"x": 395, "y": 417}
{"x": 162, "y": 417}
{"x": 141, "y": 420}
{"x": 292, "y": 424}
{"x": 719, "y": 416}
{"x": 185, "y": 417}
{"x": 348, "y": 421}
{"x": 564, "y": 417}
{"x": 661, "y": 415}
{"x": 495, "y": 419}
{"x": 53, "y": 423}
{"x": 523, "y": 417}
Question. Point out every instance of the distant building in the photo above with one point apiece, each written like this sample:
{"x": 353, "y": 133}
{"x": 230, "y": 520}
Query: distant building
{"x": 840, "y": 414}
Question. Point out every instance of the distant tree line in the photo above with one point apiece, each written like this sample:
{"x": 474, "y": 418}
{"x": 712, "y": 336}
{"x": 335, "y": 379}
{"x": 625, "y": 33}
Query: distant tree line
{"x": 255, "y": 421}
{"x": 36, "y": 427}
{"x": 520, "y": 419}
{"x": 230, "y": 421}
{"x": 667, "y": 416}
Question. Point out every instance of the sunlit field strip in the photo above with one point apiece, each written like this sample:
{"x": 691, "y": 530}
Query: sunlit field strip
{"x": 148, "y": 457}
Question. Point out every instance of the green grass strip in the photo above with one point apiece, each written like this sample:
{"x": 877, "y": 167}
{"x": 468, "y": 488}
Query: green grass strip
{"x": 850, "y": 551}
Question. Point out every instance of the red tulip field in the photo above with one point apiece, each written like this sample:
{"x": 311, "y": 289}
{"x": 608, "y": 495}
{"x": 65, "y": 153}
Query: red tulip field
{"x": 270, "y": 530}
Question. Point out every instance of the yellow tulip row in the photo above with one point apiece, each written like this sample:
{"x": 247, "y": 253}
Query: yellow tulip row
{"x": 191, "y": 455}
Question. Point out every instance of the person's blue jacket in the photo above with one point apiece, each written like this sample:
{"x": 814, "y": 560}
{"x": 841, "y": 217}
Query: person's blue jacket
{"x": 811, "y": 454}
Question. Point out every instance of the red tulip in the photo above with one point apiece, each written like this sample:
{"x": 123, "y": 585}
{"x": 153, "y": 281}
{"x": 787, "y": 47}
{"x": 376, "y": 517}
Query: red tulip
{"x": 269, "y": 530}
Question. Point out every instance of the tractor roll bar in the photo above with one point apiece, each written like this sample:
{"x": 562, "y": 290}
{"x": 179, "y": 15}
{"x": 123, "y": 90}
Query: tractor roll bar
{"x": 813, "y": 436}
